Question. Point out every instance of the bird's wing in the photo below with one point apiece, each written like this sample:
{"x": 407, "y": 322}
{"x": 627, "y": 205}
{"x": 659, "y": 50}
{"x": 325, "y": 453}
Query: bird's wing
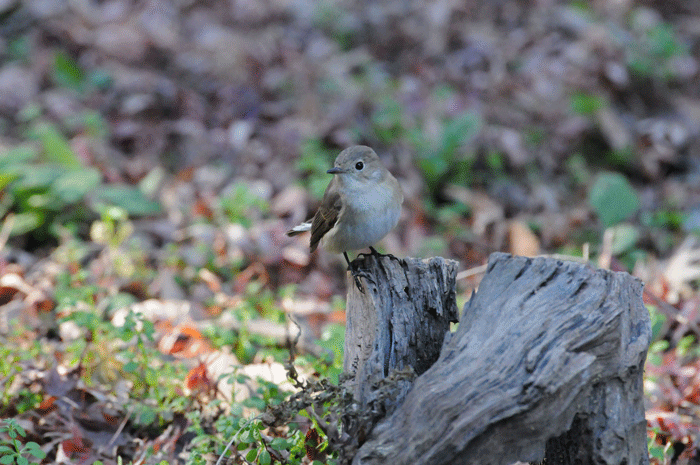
{"x": 326, "y": 215}
{"x": 303, "y": 227}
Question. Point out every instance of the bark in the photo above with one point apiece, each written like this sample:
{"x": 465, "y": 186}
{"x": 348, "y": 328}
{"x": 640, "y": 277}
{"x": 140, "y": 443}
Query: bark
{"x": 395, "y": 329}
{"x": 548, "y": 355}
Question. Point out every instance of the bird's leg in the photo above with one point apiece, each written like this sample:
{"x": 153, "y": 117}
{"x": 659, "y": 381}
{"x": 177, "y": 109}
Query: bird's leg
{"x": 355, "y": 273}
{"x": 377, "y": 254}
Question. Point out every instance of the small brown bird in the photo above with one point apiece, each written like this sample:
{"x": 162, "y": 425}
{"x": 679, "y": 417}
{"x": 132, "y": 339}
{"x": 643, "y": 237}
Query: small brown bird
{"x": 362, "y": 203}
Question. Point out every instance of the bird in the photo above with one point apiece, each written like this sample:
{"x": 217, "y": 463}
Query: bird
{"x": 361, "y": 204}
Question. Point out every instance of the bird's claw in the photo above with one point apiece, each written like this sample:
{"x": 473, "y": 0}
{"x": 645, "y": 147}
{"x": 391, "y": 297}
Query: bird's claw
{"x": 358, "y": 273}
{"x": 375, "y": 253}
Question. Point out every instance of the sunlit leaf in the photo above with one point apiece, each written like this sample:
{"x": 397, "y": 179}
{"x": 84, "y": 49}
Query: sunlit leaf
{"x": 625, "y": 236}
{"x": 585, "y": 104}
{"x": 129, "y": 198}
{"x": 27, "y": 221}
{"x": 56, "y": 147}
{"x": 37, "y": 177}
{"x": 613, "y": 198}
{"x": 67, "y": 73}
{"x": 18, "y": 154}
{"x": 73, "y": 185}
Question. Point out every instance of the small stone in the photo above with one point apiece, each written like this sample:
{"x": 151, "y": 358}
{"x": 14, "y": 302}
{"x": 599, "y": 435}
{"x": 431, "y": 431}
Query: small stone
{"x": 122, "y": 41}
{"x": 18, "y": 86}
{"x": 239, "y": 133}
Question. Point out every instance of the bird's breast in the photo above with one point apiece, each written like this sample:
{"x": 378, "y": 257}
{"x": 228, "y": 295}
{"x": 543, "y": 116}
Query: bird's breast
{"x": 365, "y": 219}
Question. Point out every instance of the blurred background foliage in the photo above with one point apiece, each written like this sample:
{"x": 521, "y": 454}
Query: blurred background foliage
{"x": 156, "y": 152}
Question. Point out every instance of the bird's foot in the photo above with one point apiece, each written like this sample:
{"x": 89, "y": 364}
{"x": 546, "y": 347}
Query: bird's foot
{"x": 357, "y": 273}
{"x": 375, "y": 253}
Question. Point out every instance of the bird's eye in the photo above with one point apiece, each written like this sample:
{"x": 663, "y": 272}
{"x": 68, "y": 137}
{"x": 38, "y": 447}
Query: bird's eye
{"x": 359, "y": 165}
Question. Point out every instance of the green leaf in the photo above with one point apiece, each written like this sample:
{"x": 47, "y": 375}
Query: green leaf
{"x": 22, "y": 460}
{"x": 27, "y": 221}
{"x": 42, "y": 202}
{"x": 658, "y": 320}
{"x": 20, "y": 48}
{"x": 625, "y": 236}
{"x": 101, "y": 79}
{"x": 434, "y": 168}
{"x": 585, "y": 104}
{"x": 246, "y": 437}
{"x": 264, "y": 458}
{"x": 613, "y": 198}
{"x": 6, "y": 459}
{"x": 56, "y": 147}
{"x": 4, "y": 450}
{"x": 131, "y": 366}
{"x": 659, "y": 346}
{"x": 251, "y": 455}
{"x": 73, "y": 185}
{"x": 67, "y": 73}
{"x": 34, "y": 450}
{"x": 281, "y": 444}
{"x": 37, "y": 177}
{"x": 130, "y": 199}
{"x": 662, "y": 40}
{"x": 459, "y": 131}
{"x": 18, "y": 154}
{"x": 685, "y": 344}
{"x": 7, "y": 178}
{"x": 147, "y": 417}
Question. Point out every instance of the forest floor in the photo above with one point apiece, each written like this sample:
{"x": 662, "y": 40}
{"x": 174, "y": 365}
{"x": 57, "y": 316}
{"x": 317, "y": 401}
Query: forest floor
{"x": 153, "y": 154}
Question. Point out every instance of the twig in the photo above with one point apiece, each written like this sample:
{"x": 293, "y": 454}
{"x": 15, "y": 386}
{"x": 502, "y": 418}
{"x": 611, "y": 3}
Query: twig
{"x": 121, "y": 427}
{"x": 235, "y": 436}
{"x": 672, "y": 312}
{"x": 7, "y": 226}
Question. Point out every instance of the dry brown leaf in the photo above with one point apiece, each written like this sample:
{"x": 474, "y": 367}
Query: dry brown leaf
{"x": 682, "y": 268}
{"x": 522, "y": 240}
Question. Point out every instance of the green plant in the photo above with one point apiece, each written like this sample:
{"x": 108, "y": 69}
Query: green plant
{"x": 239, "y": 204}
{"x": 578, "y": 169}
{"x": 331, "y": 364}
{"x": 654, "y": 48}
{"x": 655, "y": 350}
{"x": 132, "y": 199}
{"x": 314, "y": 161}
{"x": 663, "y": 453}
{"x": 586, "y": 104}
{"x": 112, "y": 231}
{"x": 9, "y": 359}
{"x": 332, "y": 18}
{"x": 20, "y": 48}
{"x": 688, "y": 346}
{"x": 46, "y": 187}
{"x": 443, "y": 159}
{"x": 40, "y": 193}
{"x": 388, "y": 120}
{"x": 12, "y": 450}
{"x": 613, "y": 198}
{"x": 67, "y": 73}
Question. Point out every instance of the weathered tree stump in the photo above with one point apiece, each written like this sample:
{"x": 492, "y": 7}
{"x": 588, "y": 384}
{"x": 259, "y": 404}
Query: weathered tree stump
{"x": 547, "y": 360}
{"x": 395, "y": 329}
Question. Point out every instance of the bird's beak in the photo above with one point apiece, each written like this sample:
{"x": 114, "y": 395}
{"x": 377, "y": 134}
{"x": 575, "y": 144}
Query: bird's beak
{"x": 335, "y": 170}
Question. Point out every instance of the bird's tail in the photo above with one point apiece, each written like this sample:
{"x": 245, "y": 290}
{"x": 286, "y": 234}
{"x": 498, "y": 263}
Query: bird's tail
{"x": 303, "y": 227}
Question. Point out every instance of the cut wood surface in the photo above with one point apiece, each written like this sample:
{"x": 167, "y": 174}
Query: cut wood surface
{"x": 547, "y": 353}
